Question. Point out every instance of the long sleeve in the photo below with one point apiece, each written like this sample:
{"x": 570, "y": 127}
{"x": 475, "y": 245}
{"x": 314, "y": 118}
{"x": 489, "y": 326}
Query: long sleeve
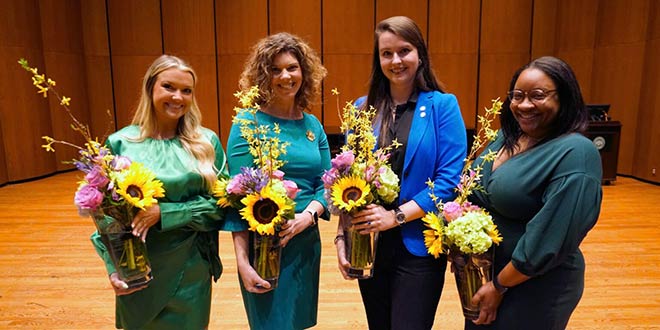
{"x": 571, "y": 204}
{"x": 199, "y": 213}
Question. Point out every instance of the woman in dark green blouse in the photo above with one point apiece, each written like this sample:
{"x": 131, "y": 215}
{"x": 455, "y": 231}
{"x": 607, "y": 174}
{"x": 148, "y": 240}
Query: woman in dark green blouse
{"x": 544, "y": 192}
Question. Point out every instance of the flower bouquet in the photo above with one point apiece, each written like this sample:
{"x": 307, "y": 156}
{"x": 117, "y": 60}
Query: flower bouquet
{"x": 465, "y": 232}
{"x": 112, "y": 192}
{"x": 359, "y": 175}
{"x": 260, "y": 193}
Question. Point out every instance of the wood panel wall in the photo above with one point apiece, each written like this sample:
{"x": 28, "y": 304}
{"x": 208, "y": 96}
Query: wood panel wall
{"x": 647, "y": 138}
{"x": 98, "y": 51}
{"x": 24, "y": 116}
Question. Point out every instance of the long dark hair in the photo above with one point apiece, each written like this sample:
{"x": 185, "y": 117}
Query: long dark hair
{"x": 572, "y": 114}
{"x": 379, "y": 87}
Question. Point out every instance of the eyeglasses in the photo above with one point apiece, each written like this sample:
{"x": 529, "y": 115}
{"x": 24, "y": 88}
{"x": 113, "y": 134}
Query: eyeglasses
{"x": 536, "y": 96}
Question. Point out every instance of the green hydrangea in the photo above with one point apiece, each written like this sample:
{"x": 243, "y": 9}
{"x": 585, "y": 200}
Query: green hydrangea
{"x": 470, "y": 232}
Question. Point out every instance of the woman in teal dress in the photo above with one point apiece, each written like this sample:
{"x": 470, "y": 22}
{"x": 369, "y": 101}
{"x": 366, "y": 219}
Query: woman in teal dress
{"x": 544, "y": 193}
{"x": 182, "y": 241}
{"x": 289, "y": 74}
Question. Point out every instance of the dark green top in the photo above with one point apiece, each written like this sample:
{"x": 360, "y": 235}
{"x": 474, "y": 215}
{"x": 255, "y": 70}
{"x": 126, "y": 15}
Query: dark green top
{"x": 543, "y": 201}
{"x": 182, "y": 247}
{"x": 293, "y": 304}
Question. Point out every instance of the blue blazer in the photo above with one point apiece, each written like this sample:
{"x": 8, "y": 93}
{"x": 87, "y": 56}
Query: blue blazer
{"x": 436, "y": 149}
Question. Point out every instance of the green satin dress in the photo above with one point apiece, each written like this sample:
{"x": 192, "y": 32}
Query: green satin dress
{"x": 182, "y": 247}
{"x": 543, "y": 201}
{"x": 293, "y": 304}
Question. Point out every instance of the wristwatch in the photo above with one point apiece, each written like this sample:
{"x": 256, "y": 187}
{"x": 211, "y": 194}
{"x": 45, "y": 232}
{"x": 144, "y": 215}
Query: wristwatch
{"x": 399, "y": 216}
{"x": 501, "y": 289}
{"x": 315, "y": 216}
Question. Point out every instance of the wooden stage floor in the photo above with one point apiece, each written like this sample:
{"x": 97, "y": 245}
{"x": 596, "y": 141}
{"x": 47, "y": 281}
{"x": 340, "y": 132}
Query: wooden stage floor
{"x": 51, "y": 278}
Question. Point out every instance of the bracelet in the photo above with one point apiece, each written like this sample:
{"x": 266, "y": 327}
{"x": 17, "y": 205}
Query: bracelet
{"x": 501, "y": 289}
{"x": 338, "y": 238}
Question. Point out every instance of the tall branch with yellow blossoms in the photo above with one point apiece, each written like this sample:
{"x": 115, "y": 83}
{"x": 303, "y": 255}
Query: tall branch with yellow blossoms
{"x": 265, "y": 149}
{"x": 470, "y": 178}
{"x": 357, "y": 125}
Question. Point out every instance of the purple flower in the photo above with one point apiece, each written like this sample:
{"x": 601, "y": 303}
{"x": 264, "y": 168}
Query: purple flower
{"x": 234, "y": 185}
{"x": 96, "y": 177}
{"x": 84, "y": 167}
{"x": 451, "y": 211}
{"x": 119, "y": 163}
{"x": 248, "y": 181}
{"x": 88, "y": 197}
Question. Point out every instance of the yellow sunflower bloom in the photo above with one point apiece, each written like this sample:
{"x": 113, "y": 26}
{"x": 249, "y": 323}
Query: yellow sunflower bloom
{"x": 494, "y": 235}
{"x": 265, "y": 210}
{"x": 139, "y": 187}
{"x": 350, "y": 193}
{"x": 433, "y": 237}
{"x": 220, "y": 192}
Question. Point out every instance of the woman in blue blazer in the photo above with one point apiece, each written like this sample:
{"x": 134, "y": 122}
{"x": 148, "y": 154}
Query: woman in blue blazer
{"x": 411, "y": 107}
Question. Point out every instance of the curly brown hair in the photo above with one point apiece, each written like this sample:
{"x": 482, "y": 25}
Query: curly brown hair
{"x": 258, "y": 72}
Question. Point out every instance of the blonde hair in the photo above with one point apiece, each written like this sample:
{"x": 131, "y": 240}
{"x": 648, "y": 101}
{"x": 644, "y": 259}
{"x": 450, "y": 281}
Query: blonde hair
{"x": 189, "y": 127}
{"x": 258, "y": 68}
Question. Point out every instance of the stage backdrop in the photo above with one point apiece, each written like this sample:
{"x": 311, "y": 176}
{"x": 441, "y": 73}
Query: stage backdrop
{"x": 98, "y": 51}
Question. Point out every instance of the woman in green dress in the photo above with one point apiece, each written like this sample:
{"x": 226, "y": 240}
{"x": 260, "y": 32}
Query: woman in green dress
{"x": 167, "y": 137}
{"x": 544, "y": 193}
{"x": 288, "y": 74}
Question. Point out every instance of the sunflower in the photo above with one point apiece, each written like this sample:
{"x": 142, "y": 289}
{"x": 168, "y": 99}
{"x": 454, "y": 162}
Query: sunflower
{"x": 220, "y": 192}
{"x": 350, "y": 193}
{"x": 433, "y": 238}
{"x": 138, "y": 186}
{"x": 265, "y": 210}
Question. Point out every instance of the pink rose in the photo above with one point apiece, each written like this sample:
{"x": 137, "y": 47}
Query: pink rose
{"x": 234, "y": 186}
{"x": 88, "y": 197}
{"x": 369, "y": 173}
{"x": 329, "y": 177}
{"x": 277, "y": 174}
{"x": 96, "y": 177}
{"x": 291, "y": 188}
{"x": 452, "y": 211}
{"x": 468, "y": 207}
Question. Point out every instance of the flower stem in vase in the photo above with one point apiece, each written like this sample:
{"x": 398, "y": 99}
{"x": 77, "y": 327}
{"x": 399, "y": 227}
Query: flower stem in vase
{"x": 266, "y": 259}
{"x": 127, "y": 252}
{"x": 471, "y": 271}
{"x": 360, "y": 250}
{"x": 128, "y": 245}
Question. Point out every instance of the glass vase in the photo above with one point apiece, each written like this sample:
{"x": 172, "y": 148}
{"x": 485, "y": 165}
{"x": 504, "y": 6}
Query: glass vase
{"x": 127, "y": 252}
{"x": 266, "y": 256}
{"x": 360, "y": 249}
{"x": 471, "y": 271}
